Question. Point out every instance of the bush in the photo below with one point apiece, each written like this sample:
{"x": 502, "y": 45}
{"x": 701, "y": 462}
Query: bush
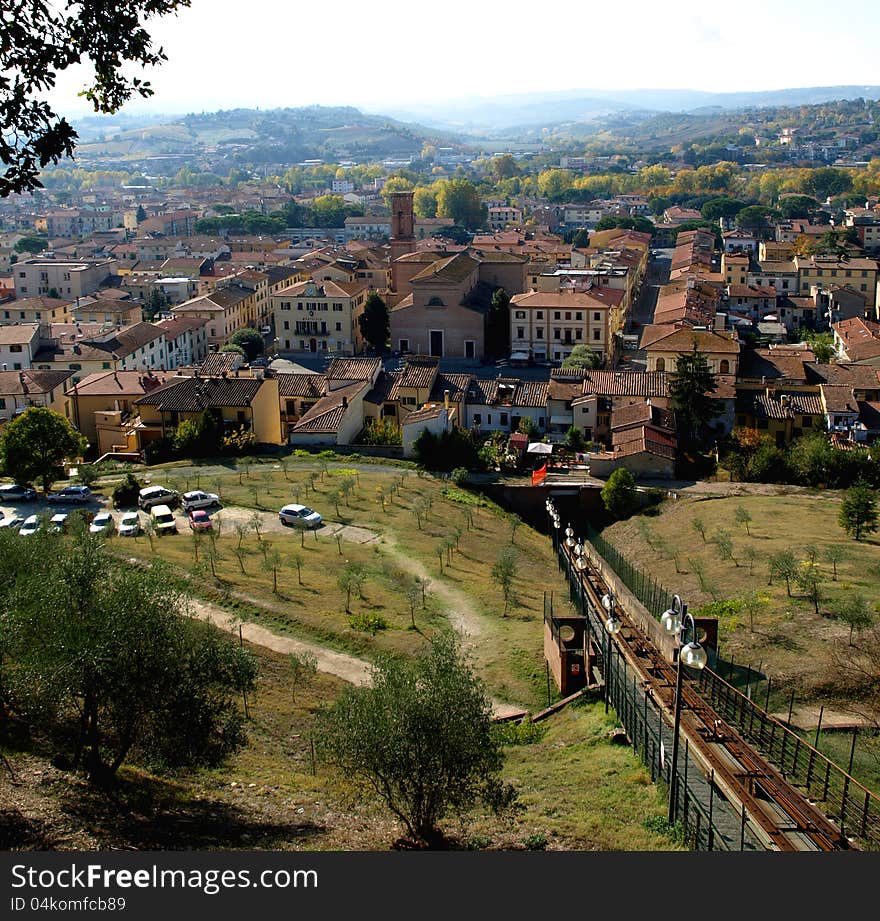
{"x": 459, "y": 476}
{"x": 240, "y": 441}
{"x": 126, "y": 493}
{"x": 537, "y": 842}
{"x": 381, "y": 432}
{"x": 159, "y": 451}
{"x": 447, "y": 450}
{"x": 619, "y": 493}
{"x": 368, "y": 623}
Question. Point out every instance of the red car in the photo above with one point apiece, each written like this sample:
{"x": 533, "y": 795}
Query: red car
{"x": 199, "y": 520}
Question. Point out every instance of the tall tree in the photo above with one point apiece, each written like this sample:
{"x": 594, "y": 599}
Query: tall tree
{"x": 40, "y": 40}
{"x": 459, "y": 199}
{"x": 34, "y": 446}
{"x": 250, "y": 340}
{"x": 858, "y": 512}
{"x": 420, "y": 739}
{"x": 690, "y": 389}
{"x": 619, "y": 493}
{"x": 97, "y": 653}
{"x": 374, "y": 323}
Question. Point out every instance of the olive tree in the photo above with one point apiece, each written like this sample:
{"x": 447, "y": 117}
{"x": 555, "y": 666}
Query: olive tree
{"x": 421, "y": 739}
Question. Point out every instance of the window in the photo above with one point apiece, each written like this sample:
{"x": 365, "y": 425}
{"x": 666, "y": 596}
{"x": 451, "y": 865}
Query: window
{"x": 478, "y": 418}
{"x": 502, "y": 420}
{"x": 660, "y": 365}
{"x": 16, "y": 366}
{"x": 287, "y": 324}
{"x": 404, "y": 345}
{"x": 14, "y": 348}
{"x": 557, "y": 315}
{"x": 520, "y": 332}
{"x": 539, "y": 332}
{"x": 597, "y": 317}
{"x": 579, "y": 334}
{"x": 540, "y": 315}
{"x": 488, "y": 418}
{"x": 520, "y": 314}
{"x": 557, "y": 334}
{"x": 105, "y": 365}
{"x": 338, "y": 327}
{"x": 299, "y": 305}
{"x": 597, "y": 335}
{"x": 724, "y": 366}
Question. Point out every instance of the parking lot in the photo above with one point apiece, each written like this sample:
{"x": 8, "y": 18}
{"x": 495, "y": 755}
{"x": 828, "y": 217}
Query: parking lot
{"x": 225, "y": 518}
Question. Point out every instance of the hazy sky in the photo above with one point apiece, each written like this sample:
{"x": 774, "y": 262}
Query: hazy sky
{"x": 228, "y": 53}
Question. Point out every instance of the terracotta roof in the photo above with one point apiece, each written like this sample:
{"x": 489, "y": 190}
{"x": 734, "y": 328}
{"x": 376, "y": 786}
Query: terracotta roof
{"x": 456, "y": 384}
{"x": 301, "y": 385}
{"x": 31, "y": 381}
{"x": 219, "y": 363}
{"x": 419, "y": 371}
{"x": 428, "y": 411}
{"x": 838, "y": 398}
{"x": 563, "y": 300}
{"x": 20, "y": 334}
{"x": 194, "y": 394}
{"x": 508, "y": 392}
{"x": 643, "y": 439}
{"x": 175, "y": 326}
{"x": 682, "y": 340}
{"x": 856, "y": 377}
{"x": 642, "y": 414}
{"x": 120, "y": 383}
{"x": 765, "y": 363}
{"x": 353, "y": 369}
{"x": 327, "y": 414}
{"x": 627, "y": 383}
{"x": 384, "y": 389}
{"x": 453, "y": 269}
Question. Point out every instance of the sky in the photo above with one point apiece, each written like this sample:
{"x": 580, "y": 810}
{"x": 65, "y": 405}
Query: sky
{"x": 225, "y": 54}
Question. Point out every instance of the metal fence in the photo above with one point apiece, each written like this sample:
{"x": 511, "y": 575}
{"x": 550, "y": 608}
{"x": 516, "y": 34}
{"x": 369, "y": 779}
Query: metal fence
{"x": 846, "y": 802}
{"x": 707, "y": 821}
{"x": 655, "y": 597}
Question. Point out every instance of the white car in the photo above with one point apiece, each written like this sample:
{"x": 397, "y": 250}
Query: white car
{"x": 157, "y": 495}
{"x": 300, "y": 516}
{"x": 130, "y": 525}
{"x": 199, "y": 499}
{"x": 58, "y": 523}
{"x": 13, "y": 522}
{"x": 102, "y": 523}
{"x": 30, "y": 526}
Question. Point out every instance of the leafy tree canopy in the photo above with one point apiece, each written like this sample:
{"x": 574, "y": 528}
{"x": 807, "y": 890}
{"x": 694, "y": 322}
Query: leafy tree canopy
{"x": 34, "y": 446}
{"x": 43, "y": 39}
{"x": 421, "y": 739}
{"x": 248, "y": 339}
{"x": 374, "y": 322}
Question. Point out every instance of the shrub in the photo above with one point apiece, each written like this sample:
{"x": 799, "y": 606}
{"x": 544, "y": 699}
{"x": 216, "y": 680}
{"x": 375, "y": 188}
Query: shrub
{"x": 619, "y": 493}
{"x": 536, "y": 842}
{"x": 524, "y": 733}
{"x": 381, "y": 432}
{"x": 459, "y": 476}
{"x": 368, "y": 623}
{"x": 126, "y": 492}
{"x": 239, "y": 441}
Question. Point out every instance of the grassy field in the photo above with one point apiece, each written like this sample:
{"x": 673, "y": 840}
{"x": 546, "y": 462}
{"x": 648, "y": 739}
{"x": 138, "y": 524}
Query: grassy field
{"x": 781, "y": 634}
{"x": 506, "y": 649}
{"x": 578, "y": 791}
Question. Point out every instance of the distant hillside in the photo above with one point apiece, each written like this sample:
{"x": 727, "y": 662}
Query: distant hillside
{"x": 519, "y": 112}
{"x": 322, "y": 132}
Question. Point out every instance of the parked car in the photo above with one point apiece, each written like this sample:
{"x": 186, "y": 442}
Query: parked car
{"x": 12, "y": 491}
{"x": 14, "y": 522}
{"x": 157, "y": 495}
{"x": 58, "y": 523}
{"x": 130, "y": 525}
{"x": 199, "y": 499}
{"x": 163, "y": 519}
{"x": 30, "y": 526}
{"x": 199, "y": 520}
{"x": 299, "y": 516}
{"x": 71, "y": 494}
{"x": 102, "y": 523}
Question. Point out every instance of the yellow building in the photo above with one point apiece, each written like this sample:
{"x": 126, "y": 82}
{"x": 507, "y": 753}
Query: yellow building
{"x": 37, "y": 310}
{"x": 250, "y": 403}
{"x": 735, "y": 268}
{"x": 855, "y": 273}
{"x": 312, "y": 317}
{"x": 229, "y": 307}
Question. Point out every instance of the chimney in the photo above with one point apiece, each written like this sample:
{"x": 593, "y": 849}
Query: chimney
{"x": 345, "y": 402}
{"x": 446, "y": 399}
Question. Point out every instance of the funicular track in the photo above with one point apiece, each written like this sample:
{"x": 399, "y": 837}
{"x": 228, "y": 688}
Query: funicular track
{"x": 780, "y": 813}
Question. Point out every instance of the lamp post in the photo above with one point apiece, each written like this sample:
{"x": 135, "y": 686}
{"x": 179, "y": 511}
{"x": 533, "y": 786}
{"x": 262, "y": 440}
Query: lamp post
{"x": 678, "y": 622}
{"x": 612, "y": 626}
{"x": 569, "y": 536}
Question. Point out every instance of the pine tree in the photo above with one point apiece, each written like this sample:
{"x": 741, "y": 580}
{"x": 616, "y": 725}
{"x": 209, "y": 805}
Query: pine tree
{"x": 690, "y": 390}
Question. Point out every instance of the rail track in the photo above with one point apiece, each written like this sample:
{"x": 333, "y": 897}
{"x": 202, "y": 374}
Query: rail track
{"x": 781, "y": 815}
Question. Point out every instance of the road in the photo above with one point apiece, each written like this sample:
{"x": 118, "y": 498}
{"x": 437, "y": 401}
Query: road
{"x": 643, "y": 310}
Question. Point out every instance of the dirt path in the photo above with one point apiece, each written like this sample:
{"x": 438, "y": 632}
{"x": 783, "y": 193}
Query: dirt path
{"x": 348, "y": 668}
{"x": 460, "y": 609}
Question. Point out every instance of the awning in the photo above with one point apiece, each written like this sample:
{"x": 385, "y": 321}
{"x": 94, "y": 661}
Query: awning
{"x": 519, "y": 356}
{"x": 539, "y": 447}
{"x": 561, "y": 420}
